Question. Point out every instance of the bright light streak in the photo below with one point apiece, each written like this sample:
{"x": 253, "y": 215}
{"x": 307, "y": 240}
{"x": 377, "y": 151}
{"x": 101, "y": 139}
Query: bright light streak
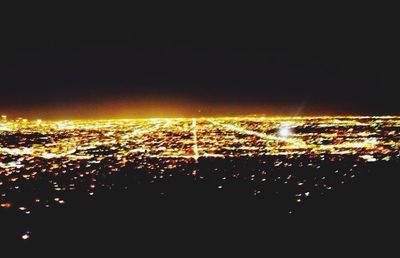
{"x": 195, "y": 144}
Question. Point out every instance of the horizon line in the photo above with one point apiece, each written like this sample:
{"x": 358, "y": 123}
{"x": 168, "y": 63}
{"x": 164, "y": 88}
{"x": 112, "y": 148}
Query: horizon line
{"x": 6, "y": 118}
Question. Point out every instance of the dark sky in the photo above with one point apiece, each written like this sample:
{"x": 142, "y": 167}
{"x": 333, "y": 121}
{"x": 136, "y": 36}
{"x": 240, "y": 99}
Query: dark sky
{"x": 57, "y": 61}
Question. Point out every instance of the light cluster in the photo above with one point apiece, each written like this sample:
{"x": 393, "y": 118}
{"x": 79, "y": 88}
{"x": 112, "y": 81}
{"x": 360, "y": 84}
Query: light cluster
{"x": 41, "y": 162}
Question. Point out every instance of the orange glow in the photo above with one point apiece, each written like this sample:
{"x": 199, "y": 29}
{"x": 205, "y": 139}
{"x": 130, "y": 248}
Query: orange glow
{"x": 122, "y": 108}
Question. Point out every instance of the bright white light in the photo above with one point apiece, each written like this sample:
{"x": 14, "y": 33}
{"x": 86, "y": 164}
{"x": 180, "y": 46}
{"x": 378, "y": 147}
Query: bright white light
{"x": 284, "y": 131}
{"x": 26, "y": 236}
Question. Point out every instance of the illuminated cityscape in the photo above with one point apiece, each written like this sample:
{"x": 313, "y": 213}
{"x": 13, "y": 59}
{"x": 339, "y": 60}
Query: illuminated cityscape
{"x": 184, "y": 138}
{"x": 292, "y": 158}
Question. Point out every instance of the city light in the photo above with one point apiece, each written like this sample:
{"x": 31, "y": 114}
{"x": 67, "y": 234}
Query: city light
{"x": 284, "y": 131}
{"x": 81, "y": 155}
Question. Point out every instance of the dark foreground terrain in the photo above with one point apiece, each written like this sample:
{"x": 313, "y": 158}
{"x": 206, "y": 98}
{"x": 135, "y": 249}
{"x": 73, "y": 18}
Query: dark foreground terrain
{"x": 147, "y": 215}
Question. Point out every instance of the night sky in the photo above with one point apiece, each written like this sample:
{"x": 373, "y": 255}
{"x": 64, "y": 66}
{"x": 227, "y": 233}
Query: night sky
{"x": 85, "y": 62}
